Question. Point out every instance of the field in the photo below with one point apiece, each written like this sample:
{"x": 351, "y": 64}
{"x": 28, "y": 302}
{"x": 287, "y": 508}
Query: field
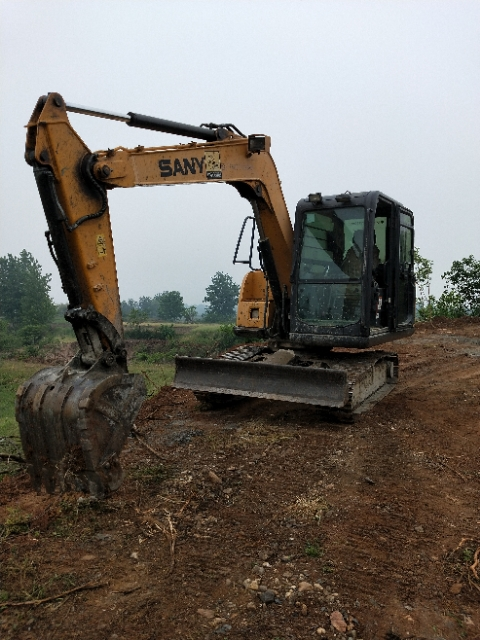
{"x": 264, "y": 521}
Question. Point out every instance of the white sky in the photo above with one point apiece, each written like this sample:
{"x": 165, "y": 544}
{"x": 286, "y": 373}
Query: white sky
{"x": 355, "y": 94}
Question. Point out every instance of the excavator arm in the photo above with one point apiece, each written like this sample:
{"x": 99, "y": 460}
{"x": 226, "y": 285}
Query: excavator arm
{"x": 74, "y": 419}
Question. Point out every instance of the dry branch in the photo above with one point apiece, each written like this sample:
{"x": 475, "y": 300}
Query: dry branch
{"x": 475, "y": 563}
{"x": 82, "y": 587}
{"x": 145, "y": 444}
{"x": 11, "y": 456}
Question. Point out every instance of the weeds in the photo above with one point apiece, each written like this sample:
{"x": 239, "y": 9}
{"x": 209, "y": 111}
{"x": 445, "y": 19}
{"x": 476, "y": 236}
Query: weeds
{"x": 16, "y": 522}
{"x": 150, "y": 474}
{"x": 313, "y": 550}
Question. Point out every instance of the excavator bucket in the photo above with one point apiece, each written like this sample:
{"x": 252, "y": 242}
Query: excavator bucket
{"x": 74, "y": 423}
{"x": 342, "y": 382}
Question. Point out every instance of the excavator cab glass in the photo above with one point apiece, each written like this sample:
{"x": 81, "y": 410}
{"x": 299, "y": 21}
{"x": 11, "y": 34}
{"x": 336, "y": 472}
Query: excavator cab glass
{"x": 353, "y": 281}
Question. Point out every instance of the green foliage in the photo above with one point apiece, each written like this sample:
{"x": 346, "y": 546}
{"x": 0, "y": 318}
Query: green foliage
{"x": 463, "y": 282}
{"x": 222, "y": 298}
{"x": 12, "y": 374}
{"x": 16, "y": 522}
{"x": 313, "y": 550}
{"x": 25, "y": 292}
{"x": 190, "y": 314}
{"x": 9, "y": 340}
{"x": 170, "y": 306}
{"x": 423, "y": 277}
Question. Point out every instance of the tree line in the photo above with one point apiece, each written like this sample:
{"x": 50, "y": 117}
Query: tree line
{"x": 461, "y": 296}
{"x": 27, "y": 310}
{"x": 221, "y": 297}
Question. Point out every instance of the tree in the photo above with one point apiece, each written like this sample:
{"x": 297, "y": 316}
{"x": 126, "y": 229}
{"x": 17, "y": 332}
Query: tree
{"x": 222, "y": 298}
{"x": 190, "y": 314}
{"x": 170, "y": 306}
{"x": 423, "y": 276}
{"x": 25, "y": 294}
{"x": 463, "y": 280}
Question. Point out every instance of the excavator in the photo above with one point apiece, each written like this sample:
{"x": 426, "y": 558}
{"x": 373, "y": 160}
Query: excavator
{"x": 337, "y": 284}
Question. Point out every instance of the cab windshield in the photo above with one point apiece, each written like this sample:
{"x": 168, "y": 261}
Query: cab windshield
{"x": 331, "y": 266}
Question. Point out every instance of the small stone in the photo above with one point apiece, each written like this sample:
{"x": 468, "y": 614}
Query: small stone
{"x": 246, "y": 583}
{"x": 419, "y": 529}
{"x": 321, "y": 631}
{"x": 253, "y": 585}
{"x": 304, "y": 609}
{"x": 228, "y": 582}
{"x": 456, "y": 588}
{"x": 262, "y": 587}
{"x": 338, "y": 621}
{"x": 214, "y": 478}
{"x": 319, "y": 588}
{"x": 134, "y": 555}
{"x": 88, "y": 557}
{"x": 259, "y": 571}
{"x": 305, "y": 586}
{"x": 225, "y": 628}
{"x": 287, "y": 574}
{"x": 218, "y": 621}
{"x": 206, "y": 613}
{"x": 251, "y": 605}
{"x": 267, "y": 596}
{"x": 286, "y": 558}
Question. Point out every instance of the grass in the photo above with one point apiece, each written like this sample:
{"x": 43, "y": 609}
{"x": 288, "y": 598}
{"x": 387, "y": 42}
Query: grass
{"x": 156, "y": 375}
{"x": 12, "y": 374}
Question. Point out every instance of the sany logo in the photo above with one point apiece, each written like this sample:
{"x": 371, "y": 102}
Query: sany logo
{"x": 180, "y": 167}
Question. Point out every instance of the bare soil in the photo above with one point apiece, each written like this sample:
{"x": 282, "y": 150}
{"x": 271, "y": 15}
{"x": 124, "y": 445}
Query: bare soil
{"x": 372, "y": 526}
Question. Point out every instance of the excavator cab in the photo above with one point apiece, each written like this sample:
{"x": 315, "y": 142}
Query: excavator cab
{"x": 352, "y": 278}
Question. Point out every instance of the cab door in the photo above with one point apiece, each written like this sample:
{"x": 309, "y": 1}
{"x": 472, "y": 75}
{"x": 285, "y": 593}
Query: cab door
{"x": 405, "y": 278}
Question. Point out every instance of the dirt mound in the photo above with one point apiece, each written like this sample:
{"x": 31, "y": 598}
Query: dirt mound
{"x": 262, "y": 520}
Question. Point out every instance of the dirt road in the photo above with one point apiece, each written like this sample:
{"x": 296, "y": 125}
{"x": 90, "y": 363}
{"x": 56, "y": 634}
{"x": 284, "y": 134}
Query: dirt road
{"x": 263, "y": 521}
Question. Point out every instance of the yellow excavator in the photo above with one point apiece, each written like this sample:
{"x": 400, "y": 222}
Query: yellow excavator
{"x": 340, "y": 281}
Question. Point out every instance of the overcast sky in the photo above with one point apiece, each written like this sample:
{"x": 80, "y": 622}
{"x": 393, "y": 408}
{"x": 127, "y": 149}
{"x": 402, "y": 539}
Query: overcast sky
{"x": 356, "y": 95}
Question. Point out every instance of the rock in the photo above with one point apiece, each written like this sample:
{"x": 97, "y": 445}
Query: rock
{"x": 321, "y": 631}
{"x": 319, "y": 588}
{"x": 225, "y": 628}
{"x": 338, "y": 621}
{"x": 287, "y": 574}
{"x": 259, "y": 571}
{"x": 304, "y": 610}
{"x": 246, "y": 583}
{"x": 286, "y": 558}
{"x": 218, "y": 621}
{"x": 134, "y": 555}
{"x": 262, "y": 587}
{"x": 212, "y": 476}
{"x": 456, "y": 588}
{"x": 251, "y": 605}
{"x": 228, "y": 582}
{"x": 267, "y": 596}
{"x": 209, "y": 614}
{"x": 253, "y": 585}
{"x": 305, "y": 586}
{"x": 88, "y": 557}
{"x": 419, "y": 529}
